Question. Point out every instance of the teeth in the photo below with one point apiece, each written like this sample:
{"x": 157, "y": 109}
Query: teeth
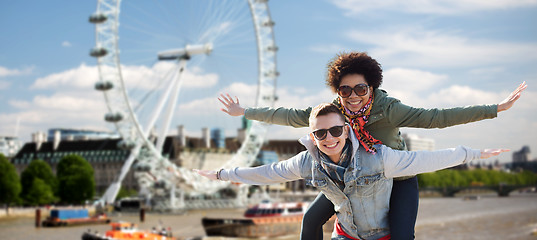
{"x": 332, "y": 145}
{"x": 355, "y": 102}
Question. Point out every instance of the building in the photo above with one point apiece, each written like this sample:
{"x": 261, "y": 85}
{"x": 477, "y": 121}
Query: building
{"x": 9, "y": 145}
{"x": 78, "y": 134}
{"x": 521, "y": 161}
{"x": 210, "y": 151}
{"x": 416, "y": 143}
{"x": 523, "y": 155}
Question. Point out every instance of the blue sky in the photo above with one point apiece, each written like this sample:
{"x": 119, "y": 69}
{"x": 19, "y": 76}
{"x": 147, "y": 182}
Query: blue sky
{"x": 433, "y": 53}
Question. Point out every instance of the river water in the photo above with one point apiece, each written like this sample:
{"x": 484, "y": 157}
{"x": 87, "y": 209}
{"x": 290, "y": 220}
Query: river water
{"x": 489, "y": 217}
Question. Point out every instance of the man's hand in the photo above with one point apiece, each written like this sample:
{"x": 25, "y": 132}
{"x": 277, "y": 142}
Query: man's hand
{"x": 233, "y": 107}
{"x": 206, "y": 173}
{"x": 511, "y": 99}
{"x": 486, "y": 153}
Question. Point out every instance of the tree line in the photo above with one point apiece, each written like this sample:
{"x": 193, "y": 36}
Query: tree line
{"x": 73, "y": 183}
{"x": 477, "y": 177}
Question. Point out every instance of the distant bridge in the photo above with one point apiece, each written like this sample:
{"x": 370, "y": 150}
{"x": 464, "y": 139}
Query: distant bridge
{"x": 503, "y": 190}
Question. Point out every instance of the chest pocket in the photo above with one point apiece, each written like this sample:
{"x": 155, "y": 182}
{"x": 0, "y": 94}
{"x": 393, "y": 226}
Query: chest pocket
{"x": 367, "y": 185}
{"x": 374, "y": 118}
{"x": 318, "y": 183}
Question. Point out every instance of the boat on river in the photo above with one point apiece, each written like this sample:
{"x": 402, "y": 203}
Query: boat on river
{"x": 129, "y": 231}
{"x": 261, "y": 220}
{"x": 70, "y": 217}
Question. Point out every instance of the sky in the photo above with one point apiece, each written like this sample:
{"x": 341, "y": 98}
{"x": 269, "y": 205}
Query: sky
{"x": 434, "y": 54}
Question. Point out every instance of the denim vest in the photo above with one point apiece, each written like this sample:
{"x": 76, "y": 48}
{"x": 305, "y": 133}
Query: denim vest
{"x": 362, "y": 207}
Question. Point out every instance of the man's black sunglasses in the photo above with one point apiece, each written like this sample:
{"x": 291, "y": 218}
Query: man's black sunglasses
{"x": 335, "y": 131}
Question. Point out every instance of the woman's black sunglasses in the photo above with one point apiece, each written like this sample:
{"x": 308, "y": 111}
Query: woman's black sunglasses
{"x": 335, "y": 131}
{"x": 360, "y": 90}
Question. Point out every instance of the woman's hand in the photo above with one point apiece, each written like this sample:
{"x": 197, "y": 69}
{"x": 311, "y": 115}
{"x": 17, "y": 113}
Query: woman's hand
{"x": 511, "y": 99}
{"x": 233, "y": 108}
{"x": 486, "y": 153}
{"x": 206, "y": 173}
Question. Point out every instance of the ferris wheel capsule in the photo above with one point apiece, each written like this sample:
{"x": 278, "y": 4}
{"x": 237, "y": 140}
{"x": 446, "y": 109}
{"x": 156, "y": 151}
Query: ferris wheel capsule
{"x": 113, "y": 117}
{"x": 104, "y": 85}
{"x": 97, "y": 18}
{"x": 98, "y": 52}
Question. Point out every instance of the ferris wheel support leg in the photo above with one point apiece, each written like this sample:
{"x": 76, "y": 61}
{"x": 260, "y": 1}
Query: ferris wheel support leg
{"x": 177, "y": 82}
{"x": 158, "y": 109}
{"x": 111, "y": 193}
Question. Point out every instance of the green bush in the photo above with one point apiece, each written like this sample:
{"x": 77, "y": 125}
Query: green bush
{"x": 75, "y": 179}
{"x": 463, "y": 178}
{"x": 10, "y": 186}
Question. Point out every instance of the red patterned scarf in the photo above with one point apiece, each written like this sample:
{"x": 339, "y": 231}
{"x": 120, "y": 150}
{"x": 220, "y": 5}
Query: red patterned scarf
{"x": 357, "y": 121}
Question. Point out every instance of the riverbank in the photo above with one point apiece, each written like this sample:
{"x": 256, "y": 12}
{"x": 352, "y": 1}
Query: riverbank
{"x": 16, "y": 212}
{"x": 487, "y": 217}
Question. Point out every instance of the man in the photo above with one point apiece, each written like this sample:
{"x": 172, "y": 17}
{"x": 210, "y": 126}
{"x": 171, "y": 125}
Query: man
{"x": 357, "y": 182}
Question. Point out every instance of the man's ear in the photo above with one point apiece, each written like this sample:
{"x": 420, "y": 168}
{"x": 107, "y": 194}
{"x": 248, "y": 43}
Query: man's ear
{"x": 313, "y": 139}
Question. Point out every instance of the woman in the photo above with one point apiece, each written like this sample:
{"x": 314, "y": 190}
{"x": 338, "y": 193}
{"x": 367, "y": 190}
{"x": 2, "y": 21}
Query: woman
{"x": 375, "y": 118}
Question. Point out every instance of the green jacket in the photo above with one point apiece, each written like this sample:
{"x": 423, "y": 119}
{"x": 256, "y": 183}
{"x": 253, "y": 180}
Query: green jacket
{"x": 387, "y": 116}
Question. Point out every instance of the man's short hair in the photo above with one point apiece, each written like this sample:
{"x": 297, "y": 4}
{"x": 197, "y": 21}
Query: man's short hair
{"x": 324, "y": 109}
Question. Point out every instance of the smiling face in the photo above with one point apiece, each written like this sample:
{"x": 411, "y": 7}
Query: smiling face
{"x": 331, "y": 146}
{"x": 354, "y": 102}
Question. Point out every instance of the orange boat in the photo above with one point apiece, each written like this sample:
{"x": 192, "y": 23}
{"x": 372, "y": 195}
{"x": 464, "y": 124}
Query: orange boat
{"x": 129, "y": 231}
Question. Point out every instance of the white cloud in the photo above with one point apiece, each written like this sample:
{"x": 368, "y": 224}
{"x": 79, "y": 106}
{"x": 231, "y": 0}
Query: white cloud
{"x": 66, "y": 44}
{"x": 4, "y": 72}
{"x": 487, "y": 72}
{"x": 69, "y": 103}
{"x": 456, "y": 95}
{"x": 83, "y": 77}
{"x": 135, "y": 77}
{"x": 410, "y": 80}
{"x": 410, "y": 85}
{"x": 144, "y": 78}
{"x": 422, "y": 48}
{"x": 20, "y": 104}
{"x": 75, "y": 103}
{"x": 448, "y": 7}
{"x": 331, "y": 49}
{"x": 4, "y": 85}
{"x": 292, "y": 98}
{"x": 65, "y": 108}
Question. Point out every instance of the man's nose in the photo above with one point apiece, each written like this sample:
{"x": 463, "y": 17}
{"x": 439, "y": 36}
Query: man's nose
{"x": 329, "y": 135}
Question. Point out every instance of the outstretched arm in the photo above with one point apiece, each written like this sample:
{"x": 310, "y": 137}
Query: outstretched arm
{"x": 284, "y": 171}
{"x": 232, "y": 107}
{"x": 280, "y": 116}
{"x": 512, "y": 98}
{"x": 407, "y": 163}
{"x": 401, "y": 115}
